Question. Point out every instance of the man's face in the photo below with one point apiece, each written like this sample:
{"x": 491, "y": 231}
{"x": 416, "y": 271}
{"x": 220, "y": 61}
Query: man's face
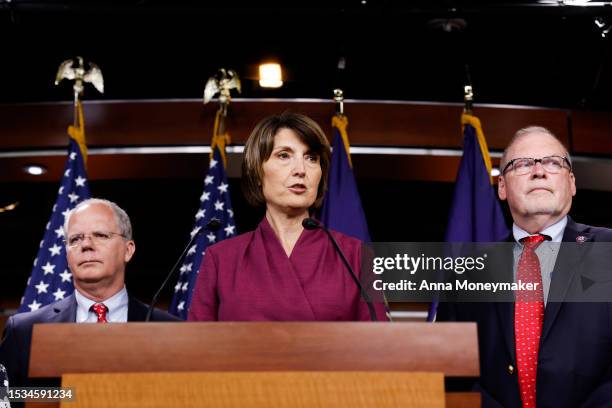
{"x": 537, "y": 197}
{"x": 96, "y": 262}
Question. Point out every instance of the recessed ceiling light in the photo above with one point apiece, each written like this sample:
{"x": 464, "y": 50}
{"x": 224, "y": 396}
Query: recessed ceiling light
{"x": 9, "y": 207}
{"x": 35, "y": 169}
{"x": 270, "y": 75}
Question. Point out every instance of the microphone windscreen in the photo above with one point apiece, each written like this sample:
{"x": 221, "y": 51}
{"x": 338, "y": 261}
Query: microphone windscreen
{"x": 213, "y": 225}
{"x": 310, "y": 224}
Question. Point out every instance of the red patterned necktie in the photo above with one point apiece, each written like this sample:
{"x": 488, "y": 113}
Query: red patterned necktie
{"x": 528, "y": 319}
{"x": 100, "y": 310}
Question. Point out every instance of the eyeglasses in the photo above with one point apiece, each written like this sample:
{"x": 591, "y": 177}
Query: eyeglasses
{"x": 524, "y": 165}
{"x": 97, "y": 237}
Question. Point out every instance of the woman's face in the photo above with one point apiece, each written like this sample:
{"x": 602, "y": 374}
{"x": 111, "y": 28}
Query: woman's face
{"x": 291, "y": 175}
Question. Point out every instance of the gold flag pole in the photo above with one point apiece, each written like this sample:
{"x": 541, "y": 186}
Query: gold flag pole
{"x": 74, "y": 70}
{"x": 221, "y": 83}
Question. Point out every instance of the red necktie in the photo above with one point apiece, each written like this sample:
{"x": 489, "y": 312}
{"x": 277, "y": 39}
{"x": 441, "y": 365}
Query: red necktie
{"x": 528, "y": 319}
{"x": 100, "y": 310}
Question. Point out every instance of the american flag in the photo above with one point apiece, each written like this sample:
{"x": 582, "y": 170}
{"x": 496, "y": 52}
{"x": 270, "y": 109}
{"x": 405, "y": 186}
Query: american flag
{"x": 4, "y": 384}
{"x": 215, "y": 202}
{"x": 50, "y": 279}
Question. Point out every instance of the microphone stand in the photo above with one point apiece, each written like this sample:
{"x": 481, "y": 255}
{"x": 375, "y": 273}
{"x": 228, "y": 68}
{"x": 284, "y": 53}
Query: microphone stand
{"x": 212, "y": 225}
{"x": 311, "y": 224}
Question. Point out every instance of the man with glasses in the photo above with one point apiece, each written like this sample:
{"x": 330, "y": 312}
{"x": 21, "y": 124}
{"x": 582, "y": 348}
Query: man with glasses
{"x": 542, "y": 350}
{"x": 98, "y": 247}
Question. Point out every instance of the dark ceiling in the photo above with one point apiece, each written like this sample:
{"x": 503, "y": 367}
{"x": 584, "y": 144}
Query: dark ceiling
{"x": 518, "y": 52}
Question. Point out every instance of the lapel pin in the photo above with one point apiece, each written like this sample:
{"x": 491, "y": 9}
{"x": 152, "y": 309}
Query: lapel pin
{"x": 580, "y": 239}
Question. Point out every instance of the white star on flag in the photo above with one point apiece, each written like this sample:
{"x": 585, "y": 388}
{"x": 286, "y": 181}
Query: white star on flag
{"x": 192, "y": 250}
{"x": 72, "y": 156}
{"x": 194, "y": 231}
{"x": 55, "y": 250}
{"x": 177, "y": 287}
{"x": 48, "y": 268}
{"x": 205, "y": 196}
{"x": 219, "y": 205}
{"x": 61, "y": 190}
{"x": 181, "y": 305}
{"x": 65, "y": 276}
{"x": 200, "y": 214}
{"x": 65, "y": 212}
{"x": 213, "y": 163}
{"x": 222, "y": 188}
{"x": 60, "y": 232}
{"x": 59, "y": 294}
{"x": 34, "y": 305}
{"x": 73, "y": 197}
{"x": 230, "y": 212}
{"x": 229, "y": 230}
{"x": 185, "y": 286}
{"x": 42, "y": 287}
{"x": 208, "y": 180}
{"x": 211, "y": 237}
{"x": 67, "y": 173}
{"x": 186, "y": 268}
{"x": 80, "y": 181}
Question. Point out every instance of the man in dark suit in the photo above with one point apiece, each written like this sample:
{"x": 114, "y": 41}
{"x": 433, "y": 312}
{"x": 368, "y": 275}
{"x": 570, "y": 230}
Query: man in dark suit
{"x": 543, "y": 350}
{"x": 98, "y": 247}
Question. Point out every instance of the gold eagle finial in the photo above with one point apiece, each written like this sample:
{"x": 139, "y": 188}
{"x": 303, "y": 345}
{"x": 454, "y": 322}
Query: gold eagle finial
{"x": 222, "y": 83}
{"x": 74, "y": 69}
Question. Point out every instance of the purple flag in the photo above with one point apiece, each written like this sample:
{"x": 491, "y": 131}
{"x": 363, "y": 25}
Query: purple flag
{"x": 475, "y": 215}
{"x": 342, "y": 209}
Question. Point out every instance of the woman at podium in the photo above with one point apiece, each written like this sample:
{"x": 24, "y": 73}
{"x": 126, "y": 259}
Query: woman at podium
{"x": 282, "y": 271}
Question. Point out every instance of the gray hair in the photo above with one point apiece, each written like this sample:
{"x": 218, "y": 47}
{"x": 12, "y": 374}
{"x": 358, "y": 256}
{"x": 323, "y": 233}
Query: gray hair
{"x": 525, "y": 131}
{"x": 121, "y": 217}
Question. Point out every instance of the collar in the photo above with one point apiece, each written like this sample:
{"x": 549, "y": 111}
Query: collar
{"x": 116, "y": 302}
{"x": 555, "y": 231}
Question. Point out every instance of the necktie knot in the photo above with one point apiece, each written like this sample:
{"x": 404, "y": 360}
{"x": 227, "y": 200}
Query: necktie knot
{"x": 533, "y": 241}
{"x": 100, "y": 310}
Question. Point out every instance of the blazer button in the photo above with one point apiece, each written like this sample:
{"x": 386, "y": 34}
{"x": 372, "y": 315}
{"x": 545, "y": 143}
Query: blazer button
{"x": 510, "y": 369}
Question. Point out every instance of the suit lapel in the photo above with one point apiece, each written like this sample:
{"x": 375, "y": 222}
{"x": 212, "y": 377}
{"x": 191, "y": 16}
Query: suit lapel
{"x": 63, "y": 311}
{"x": 566, "y": 267}
{"x": 137, "y": 311}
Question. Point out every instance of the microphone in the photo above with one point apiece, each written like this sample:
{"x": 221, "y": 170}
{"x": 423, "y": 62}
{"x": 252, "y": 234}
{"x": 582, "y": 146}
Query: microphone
{"x": 312, "y": 224}
{"x": 212, "y": 225}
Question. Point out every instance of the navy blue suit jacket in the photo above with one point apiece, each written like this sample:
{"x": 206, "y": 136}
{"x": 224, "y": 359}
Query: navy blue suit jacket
{"x": 15, "y": 347}
{"x": 575, "y": 357}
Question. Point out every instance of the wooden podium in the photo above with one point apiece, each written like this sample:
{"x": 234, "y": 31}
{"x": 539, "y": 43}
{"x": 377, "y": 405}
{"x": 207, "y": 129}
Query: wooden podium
{"x": 258, "y": 364}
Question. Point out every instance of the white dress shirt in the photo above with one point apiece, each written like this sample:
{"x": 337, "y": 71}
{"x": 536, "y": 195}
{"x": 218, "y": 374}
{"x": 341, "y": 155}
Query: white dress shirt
{"x": 117, "y": 308}
{"x": 547, "y": 251}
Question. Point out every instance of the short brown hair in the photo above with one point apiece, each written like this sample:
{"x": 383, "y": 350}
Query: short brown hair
{"x": 260, "y": 144}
